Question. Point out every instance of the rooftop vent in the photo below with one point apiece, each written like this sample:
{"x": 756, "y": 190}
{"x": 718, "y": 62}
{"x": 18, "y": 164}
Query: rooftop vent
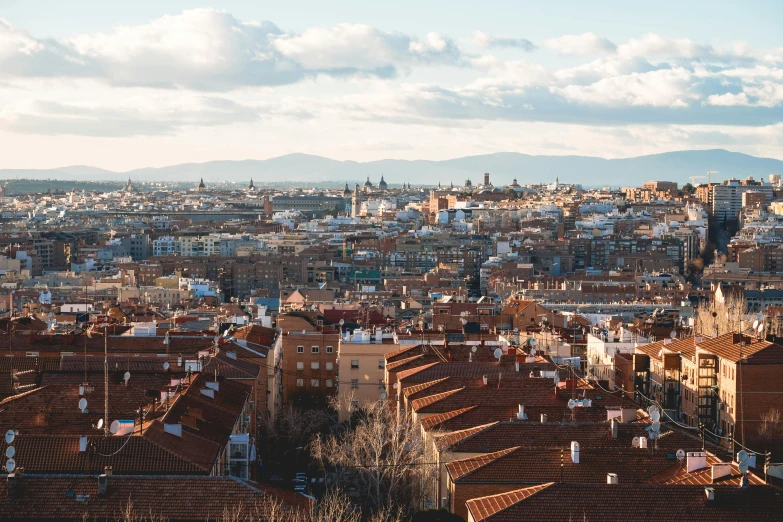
{"x": 611, "y": 478}
{"x": 521, "y": 415}
{"x": 575, "y": 452}
{"x": 710, "y": 492}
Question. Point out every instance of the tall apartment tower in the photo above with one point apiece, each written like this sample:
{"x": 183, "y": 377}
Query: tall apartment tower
{"x": 486, "y": 180}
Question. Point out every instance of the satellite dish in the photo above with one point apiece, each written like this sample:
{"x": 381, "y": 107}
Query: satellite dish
{"x": 680, "y": 455}
{"x": 10, "y": 435}
{"x": 656, "y": 426}
{"x": 533, "y": 342}
{"x": 82, "y": 404}
{"x": 673, "y": 334}
{"x": 655, "y": 415}
{"x": 462, "y": 314}
{"x": 755, "y": 324}
{"x": 761, "y": 327}
{"x": 394, "y": 386}
{"x": 498, "y": 353}
{"x": 126, "y": 376}
{"x": 165, "y": 366}
{"x": 10, "y": 451}
{"x": 10, "y": 465}
{"x": 571, "y": 404}
{"x": 342, "y": 322}
{"x": 742, "y": 456}
{"x": 743, "y": 467}
{"x": 652, "y": 409}
{"x": 557, "y": 380}
{"x": 115, "y": 427}
{"x": 635, "y": 442}
{"x": 99, "y": 426}
{"x": 474, "y": 349}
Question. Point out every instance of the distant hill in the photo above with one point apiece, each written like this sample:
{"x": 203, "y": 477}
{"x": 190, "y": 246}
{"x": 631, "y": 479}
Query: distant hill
{"x": 502, "y": 166}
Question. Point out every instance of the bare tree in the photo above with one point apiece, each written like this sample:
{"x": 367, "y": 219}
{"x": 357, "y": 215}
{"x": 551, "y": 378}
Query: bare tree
{"x": 771, "y": 428}
{"x": 380, "y": 461}
{"x": 717, "y": 317}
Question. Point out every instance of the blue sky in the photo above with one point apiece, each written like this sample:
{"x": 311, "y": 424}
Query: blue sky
{"x": 122, "y": 85}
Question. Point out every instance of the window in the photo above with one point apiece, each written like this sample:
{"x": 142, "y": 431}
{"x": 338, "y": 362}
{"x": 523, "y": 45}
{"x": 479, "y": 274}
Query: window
{"x": 300, "y": 365}
{"x": 315, "y": 365}
{"x": 299, "y": 383}
{"x": 315, "y": 383}
{"x": 32, "y": 354}
{"x": 329, "y": 349}
{"x": 315, "y": 349}
{"x": 330, "y": 366}
{"x": 354, "y": 363}
{"x": 355, "y": 384}
{"x": 300, "y": 349}
{"x": 381, "y": 364}
{"x": 328, "y": 383}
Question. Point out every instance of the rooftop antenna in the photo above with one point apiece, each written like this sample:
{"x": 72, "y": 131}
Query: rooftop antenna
{"x": 10, "y": 451}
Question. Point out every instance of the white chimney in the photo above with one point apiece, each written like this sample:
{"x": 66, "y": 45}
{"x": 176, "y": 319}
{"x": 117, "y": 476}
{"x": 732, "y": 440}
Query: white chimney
{"x": 83, "y": 443}
{"x": 521, "y": 415}
{"x": 517, "y": 365}
{"x": 543, "y": 418}
{"x": 696, "y": 460}
{"x": 720, "y": 470}
{"x": 575, "y": 452}
{"x": 611, "y": 478}
{"x": 484, "y": 378}
{"x": 710, "y": 492}
{"x": 642, "y": 442}
{"x": 615, "y": 427}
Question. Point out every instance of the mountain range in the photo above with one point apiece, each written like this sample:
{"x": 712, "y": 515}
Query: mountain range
{"x": 502, "y": 166}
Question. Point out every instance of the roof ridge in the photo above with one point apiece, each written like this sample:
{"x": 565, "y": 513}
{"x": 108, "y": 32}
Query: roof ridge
{"x": 493, "y": 504}
{"x": 439, "y": 418}
{"x": 410, "y": 390}
{"x": 413, "y": 371}
{"x": 445, "y": 440}
{"x": 474, "y": 463}
{"x": 429, "y": 400}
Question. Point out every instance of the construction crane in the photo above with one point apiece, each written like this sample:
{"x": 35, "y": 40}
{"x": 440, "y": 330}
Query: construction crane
{"x": 709, "y": 175}
{"x": 694, "y": 178}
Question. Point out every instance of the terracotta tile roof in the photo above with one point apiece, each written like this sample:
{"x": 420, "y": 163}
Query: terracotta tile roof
{"x": 232, "y": 368}
{"x": 679, "y": 475}
{"x": 173, "y": 498}
{"x": 402, "y": 362}
{"x": 537, "y": 465}
{"x": 446, "y": 440}
{"x": 461, "y": 468}
{"x": 624, "y": 502}
{"x": 418, "y": 404}
{"x": 402, "y": 353}
{"x": 413, "y": 371}
{"x": 198, "y": 451}
{"x": 416, "y": 388}
{"x": 651, "y": 349}
{"x": 483, "y": 507}
{"x": 42, "y": 454}
{"x": 435, "y": 420}
{"x": 724, "y": 347}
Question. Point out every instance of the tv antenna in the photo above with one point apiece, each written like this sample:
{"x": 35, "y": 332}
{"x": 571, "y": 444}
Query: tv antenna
{"x": 10, "y": 451}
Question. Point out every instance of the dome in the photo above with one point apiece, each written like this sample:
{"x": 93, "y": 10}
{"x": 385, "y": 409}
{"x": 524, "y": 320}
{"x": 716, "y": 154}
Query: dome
{"x": 468, "y": 183}
{"x": 382, "y": 184}
{"x": 367, "y": 183}
{"x": 347, "y": 191}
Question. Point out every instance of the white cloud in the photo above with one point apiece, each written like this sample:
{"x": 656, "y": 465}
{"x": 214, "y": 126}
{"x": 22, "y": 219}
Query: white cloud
{"x": 728, "y": 100}
{"x": 581, "y": 44}
{"x": 487, "y": 41}
{"x": 655, "y": 46}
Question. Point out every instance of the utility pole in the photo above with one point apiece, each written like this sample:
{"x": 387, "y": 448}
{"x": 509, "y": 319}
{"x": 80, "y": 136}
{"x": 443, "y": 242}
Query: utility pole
{"x": 105, "y": 382}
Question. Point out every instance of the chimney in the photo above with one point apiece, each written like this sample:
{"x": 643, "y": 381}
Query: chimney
{"x": 83, "y": 444}
{"x": 103, "y": 484}
{"x": 696, "y": 460}
{"x": 575, "y": 452}
{"x": 720, "y": 470}
{"x": 108, "y": 470}
{"x": 710, "y": 492}
{"x": 615, "y": 428}
{"x": 611, "y": 478}
{"x": 521, "y": 415}
{"x": 543, "y": 418}
{"x": 517, "y": 365}
{"x": 13, "y": 485}
{"x": 744, "y": 482}
{"x": 484, "y": 378}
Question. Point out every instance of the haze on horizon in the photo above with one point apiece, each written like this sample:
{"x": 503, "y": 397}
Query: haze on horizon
{"x": 139, "y": 85}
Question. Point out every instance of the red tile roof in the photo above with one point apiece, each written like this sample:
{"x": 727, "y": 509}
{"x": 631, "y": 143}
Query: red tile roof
{"x": 483, "y": 507}
{"x": 436, "y": 420}
{"x": 460, "y": 468}
{"x": 724, "y": 347}
{"x": 446, "y": 440}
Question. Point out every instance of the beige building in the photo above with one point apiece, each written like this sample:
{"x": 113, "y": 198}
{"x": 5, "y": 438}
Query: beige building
{"x": 361, "y": 364}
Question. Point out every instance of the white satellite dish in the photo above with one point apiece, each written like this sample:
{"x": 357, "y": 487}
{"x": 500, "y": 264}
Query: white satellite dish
{"x": 680, "y": 455}
{"x": 755, "y": 324}
{"x": 126, "y": 376}
{"x": 533, "y": 342}
{"x": 571, "y": 404}
{"x": 742, "y": 456}
{"x": 10, "y": 451}
{"x": 557, "y": 380}
{"x": 655, "y": 415}
{"x": 498, "y": 353}
{"x": 743, "y": 467}
{"x": 165, "y": 366}
{"x": 635, "y": 442}
{"x": 342, "y": 322}
{"x": 656, "y": 426}
{"x": 462, "y": 314}
{"x": 10, "y": 465}
{"x": 99, "y": 426}
{"x": 474, "y": 349}
{"x": 673, "y": 334}
{"x": 115, "y": 427}
{"x": 10, "y": 435}
{"x": 394, "y": 385}
{"x": 82, "y": 404}
{"x": 761, "y": 327}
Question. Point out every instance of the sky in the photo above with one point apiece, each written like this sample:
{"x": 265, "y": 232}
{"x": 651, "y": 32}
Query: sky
{"x": 123, "y": 85}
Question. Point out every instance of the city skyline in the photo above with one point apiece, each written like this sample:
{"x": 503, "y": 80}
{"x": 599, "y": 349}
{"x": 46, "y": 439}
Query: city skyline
{"x": 121, "y": 88}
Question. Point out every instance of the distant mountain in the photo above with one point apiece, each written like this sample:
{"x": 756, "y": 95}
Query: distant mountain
{"x": 503, "y": 168}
